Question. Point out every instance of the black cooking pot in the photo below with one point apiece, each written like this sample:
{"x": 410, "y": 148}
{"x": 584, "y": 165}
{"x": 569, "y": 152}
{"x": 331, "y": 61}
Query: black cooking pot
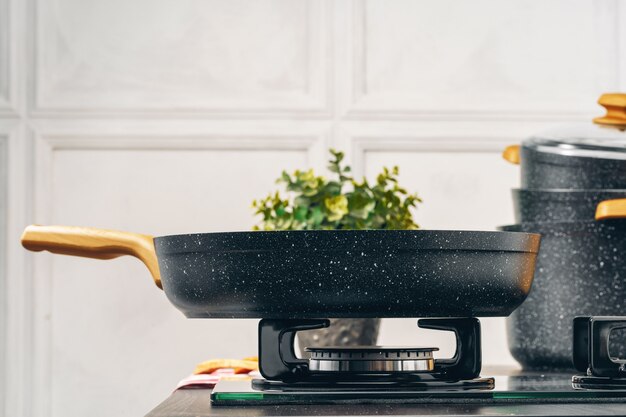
{"x": 538, "y": 206}
{"x": 546, "y": 170}
{"x": 580, "y": 271}
{"x": 583, "y": 156}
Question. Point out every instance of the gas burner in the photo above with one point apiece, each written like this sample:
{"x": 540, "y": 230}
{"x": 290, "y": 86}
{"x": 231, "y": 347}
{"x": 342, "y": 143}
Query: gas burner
{"x": 591, "y": 354}
{"x": 371, "y": 359}
{"x": 278, "y": 361}
{"x": 358, "y": 373}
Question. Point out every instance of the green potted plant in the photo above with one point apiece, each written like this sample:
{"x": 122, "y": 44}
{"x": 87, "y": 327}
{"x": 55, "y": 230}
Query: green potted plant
{"x": 317, "y": 203}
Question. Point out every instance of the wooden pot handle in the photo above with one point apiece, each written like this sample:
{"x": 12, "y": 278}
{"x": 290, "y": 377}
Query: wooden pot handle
{"x": 511, "y": 154}
{"x": 611, "y": 209}
{"x": 93, "y": 243}
{"x": 615, "y": 105}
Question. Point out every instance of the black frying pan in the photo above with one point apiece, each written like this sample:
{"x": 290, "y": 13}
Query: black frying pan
{"x": 320, "y": 274}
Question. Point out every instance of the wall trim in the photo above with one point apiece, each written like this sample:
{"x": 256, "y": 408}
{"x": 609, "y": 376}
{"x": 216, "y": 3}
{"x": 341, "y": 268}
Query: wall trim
{"x": 4, "y": 241}
{"x": 15, "y": 293}
{"x": 48, "y": 143}
{"x": 8, "y": 58}
{"x": 314, "y": 123}
{"x": 5, "y": 51}
{"x": 360, "y": 145}
{"x": 315, "y": 103}
{"x": 620, "y": 23}
{"x": 363, "y": 106}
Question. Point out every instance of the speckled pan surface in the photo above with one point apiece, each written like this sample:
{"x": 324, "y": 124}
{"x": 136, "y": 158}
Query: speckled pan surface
{"x": 321, "y": 274}
{"x": 581, "y": 270}
{"x": 543, "y": 170}
{"x": 559, "y": 205}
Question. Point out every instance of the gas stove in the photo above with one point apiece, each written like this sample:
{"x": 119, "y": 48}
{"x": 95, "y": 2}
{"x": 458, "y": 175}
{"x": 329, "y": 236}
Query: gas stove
{"x": 592, "y": 354}
{"x": 376, "y": 374}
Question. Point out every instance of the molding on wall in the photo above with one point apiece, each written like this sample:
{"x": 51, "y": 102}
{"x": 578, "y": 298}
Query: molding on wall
{"x": 363, "y": 106}
{"x": 315, "y": 103}
{"x": 608, "y": 54}
{"x": 7, "y": 59}
{"x": 4, "y": 240}
{"x": 621, "y": 46}
{"x": 180, "y": 142}
{"x": 359, "y": 146}
{"x": 15, "y": 292}
{"x": 26, "y": 352}
{"x": 312, "y": 136}
{"x": 13, "y": 34}
{"x": 359, "y": 138}
{"x": 52, "y": 140}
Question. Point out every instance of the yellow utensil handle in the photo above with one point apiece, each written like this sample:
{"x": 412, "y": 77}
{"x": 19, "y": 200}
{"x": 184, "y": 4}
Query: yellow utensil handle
{"x": 511, "y": 154}
{"x": 611, "y": 209}
{"x": 93, "y": 243}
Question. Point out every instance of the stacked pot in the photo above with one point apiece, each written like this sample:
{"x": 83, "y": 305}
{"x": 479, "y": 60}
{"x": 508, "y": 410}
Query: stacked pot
{"x": 574, "y": 194}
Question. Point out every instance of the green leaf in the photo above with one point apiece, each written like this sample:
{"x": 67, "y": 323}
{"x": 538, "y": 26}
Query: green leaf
{"x": 302, "y": 200}
{"x": 300, "y": 214}
{"x": 337, "y": 154}
{"x": 333, "y": 168}
{"x": 336, "y": 206}
{"x": 361, "y": 203}
{"x": 309, "y": 192}
{"x": 332, "y": 188}
{"x": 316, "y": 216}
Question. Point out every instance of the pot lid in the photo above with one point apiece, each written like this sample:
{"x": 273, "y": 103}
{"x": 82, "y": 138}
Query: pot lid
{"x": 605, "y": 138}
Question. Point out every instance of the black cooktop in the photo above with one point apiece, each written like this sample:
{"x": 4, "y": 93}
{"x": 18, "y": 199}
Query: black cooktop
{"x": 521, "y": 387}
{"x": 384, "y": 375}
{"x": 518, "y": 393}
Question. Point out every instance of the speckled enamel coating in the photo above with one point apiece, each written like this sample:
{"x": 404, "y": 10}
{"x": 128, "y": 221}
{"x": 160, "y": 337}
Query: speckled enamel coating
{"x": 543, "y": 170}
{"x": 532, "y": 206}
{"x": 338, "y": 274}
{"x": 581, "y": 271}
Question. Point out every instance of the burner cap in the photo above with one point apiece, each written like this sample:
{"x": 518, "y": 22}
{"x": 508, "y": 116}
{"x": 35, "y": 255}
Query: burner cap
{"x": 371, "y": 359}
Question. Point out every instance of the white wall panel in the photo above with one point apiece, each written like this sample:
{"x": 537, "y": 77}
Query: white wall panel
{"x": 170, "y": 116}
{"x": 3, "y": 265}
{"x": 482, "y": 58}
{"x": 116, "y": 345}
{"x": 461, "y": 190}
{"x": 205, "y": 56}
{"x": 14, "y": 349}
{"x": 4, "y": 56}
{"x": 621, "y": 45}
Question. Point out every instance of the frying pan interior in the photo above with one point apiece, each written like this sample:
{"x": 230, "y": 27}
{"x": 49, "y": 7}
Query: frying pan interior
{"x": 321, "y": 274}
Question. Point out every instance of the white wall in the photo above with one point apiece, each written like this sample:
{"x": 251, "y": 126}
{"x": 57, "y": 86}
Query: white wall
{"x": 171, "y": 116}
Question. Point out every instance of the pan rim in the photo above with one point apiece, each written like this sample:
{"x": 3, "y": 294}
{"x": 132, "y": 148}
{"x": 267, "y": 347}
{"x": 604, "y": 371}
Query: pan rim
{"x": 329, "y": 240}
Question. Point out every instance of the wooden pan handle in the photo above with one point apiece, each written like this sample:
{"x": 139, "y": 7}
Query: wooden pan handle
{"x": 93, "y": 243}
